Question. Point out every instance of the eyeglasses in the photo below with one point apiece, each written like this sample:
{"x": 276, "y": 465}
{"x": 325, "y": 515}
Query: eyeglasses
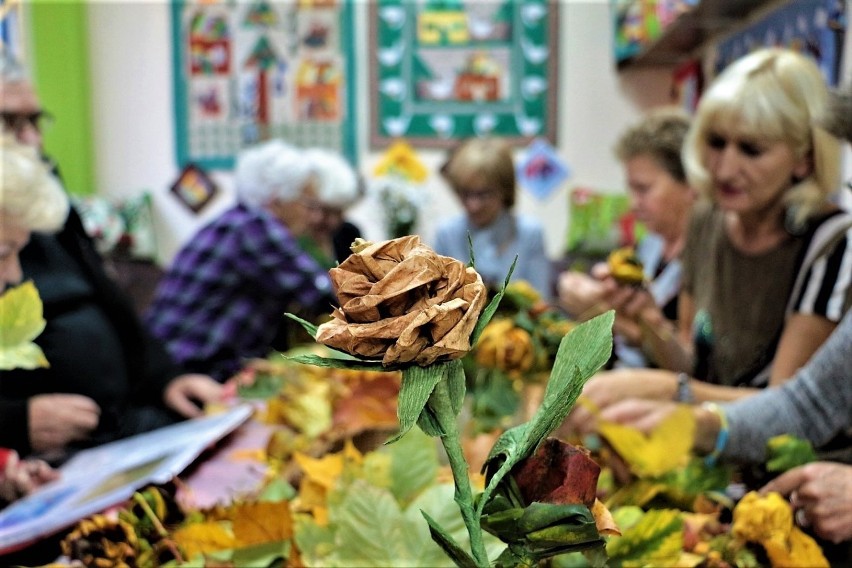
{"x": 16, "y": 122}
{"x": 479, "y": 195}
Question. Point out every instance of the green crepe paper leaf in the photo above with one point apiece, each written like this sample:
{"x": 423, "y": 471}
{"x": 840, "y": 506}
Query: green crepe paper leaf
{"x": 309, "y": 327}
{"x": 655, "y": 540}
{"x": 581, "y": 353}
{"x": 457, "y": 383}
{"x": 491, "y": 308}
{"x": 417, "y": 386}
{"x": 335, "y": 363}
{"x": 413, "y": 465}
{"x": 261, "y": 555}
{"x": 456, "y": 553}
{"x": 21, "y": 321}
{"x": 785, "y": 452}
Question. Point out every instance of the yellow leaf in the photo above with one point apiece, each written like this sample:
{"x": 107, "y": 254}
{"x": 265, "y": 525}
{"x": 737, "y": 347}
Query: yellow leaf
{"x": 667, "y": 447}
{"x": 261, "y": 522}
{"x": 400, "y": 159}
{"x": 21, "y": 321}
{"x": 203, "y": 538}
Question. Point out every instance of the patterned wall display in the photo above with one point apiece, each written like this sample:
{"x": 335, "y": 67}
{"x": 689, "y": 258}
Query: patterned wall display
{"x": 448, "y": 69}
{"x": 249, "y": 71}
{"x": 814, "y": 27}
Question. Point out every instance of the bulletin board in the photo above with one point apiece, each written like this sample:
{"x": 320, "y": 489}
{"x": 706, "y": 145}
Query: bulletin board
{"x": 813, "y": 27}
{"x": 449, "y": 69}
{"x": 245, "y": 72}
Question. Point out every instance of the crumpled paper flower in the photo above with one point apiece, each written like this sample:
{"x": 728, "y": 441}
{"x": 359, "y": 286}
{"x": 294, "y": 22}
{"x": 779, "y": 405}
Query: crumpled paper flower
{"x": 404, "y": 303}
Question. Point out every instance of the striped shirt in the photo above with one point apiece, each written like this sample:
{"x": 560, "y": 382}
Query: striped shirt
{"x": 226, "y": 292}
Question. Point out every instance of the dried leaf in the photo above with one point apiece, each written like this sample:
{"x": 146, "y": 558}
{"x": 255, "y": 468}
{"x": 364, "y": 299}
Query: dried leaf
{"x": 203, "y": 538}
{"x": 667, "y": 447}
{"x": 261, "y": 522}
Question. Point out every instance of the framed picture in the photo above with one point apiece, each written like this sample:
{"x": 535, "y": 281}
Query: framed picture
{"x": 194, "y": 188}
{"x": 449, "y": 69}
{"x": 245, "y": 72}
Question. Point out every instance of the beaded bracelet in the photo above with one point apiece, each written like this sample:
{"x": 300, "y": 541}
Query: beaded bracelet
{"x": 721, "y": 437}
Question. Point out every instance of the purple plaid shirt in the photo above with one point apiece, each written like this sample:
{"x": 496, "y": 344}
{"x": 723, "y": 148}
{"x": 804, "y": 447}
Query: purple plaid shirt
{"x": 226, "y": 292}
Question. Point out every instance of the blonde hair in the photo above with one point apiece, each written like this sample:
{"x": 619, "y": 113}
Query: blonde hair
{"x": 772, "y": 95}
{"x": 29, "y": 193}
{"x": 659, "y": 135}
{"x": 482, "y": 160}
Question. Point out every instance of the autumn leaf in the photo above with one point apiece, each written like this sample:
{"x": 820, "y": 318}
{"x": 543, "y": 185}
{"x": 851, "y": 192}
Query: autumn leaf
{"x": 261, "y": 522}
{"x": 667, "y": 448}
{"x": 655, "y": 540}
{"x": 203, "y": 538}
{"x": 21, "y": 321}
{"x": 369, "y": 402}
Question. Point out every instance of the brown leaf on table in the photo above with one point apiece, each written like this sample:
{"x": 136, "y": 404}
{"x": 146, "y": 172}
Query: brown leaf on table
{"x": 261, "y": 522}
{"x": 558, "y": 473}
{"x": 369, "y": 402}
{"x": 401, "y": 302}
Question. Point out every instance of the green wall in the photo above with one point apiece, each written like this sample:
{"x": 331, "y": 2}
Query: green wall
{"x": 61, "y": 75}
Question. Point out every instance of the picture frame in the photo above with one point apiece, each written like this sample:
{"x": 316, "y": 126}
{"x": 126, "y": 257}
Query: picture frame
{"x": 194, "y": 188}
{"x": 245, "y": 72}
{"x": 444, "y": 71}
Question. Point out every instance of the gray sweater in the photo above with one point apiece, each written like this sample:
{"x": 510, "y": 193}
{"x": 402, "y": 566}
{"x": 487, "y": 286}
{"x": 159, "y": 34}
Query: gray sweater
{"x": 815, "y": 405}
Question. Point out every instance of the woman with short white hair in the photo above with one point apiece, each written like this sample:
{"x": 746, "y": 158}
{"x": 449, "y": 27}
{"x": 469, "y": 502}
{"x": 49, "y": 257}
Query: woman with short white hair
{"x": 222, "y": 300}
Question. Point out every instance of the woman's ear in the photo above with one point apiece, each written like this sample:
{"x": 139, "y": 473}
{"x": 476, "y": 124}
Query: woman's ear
{"x": 803, "y": 168}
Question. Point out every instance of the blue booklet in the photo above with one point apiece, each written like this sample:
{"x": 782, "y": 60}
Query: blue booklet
{"x": 99, "y": 478}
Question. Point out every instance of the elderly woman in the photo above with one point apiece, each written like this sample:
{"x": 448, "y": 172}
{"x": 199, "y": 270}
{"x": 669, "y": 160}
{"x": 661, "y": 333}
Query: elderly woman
{"x": 482, "y": 173}
{"x": 223, "y": 298}
{"x": 767, "y": 256}
{"x": 30, "y": 200}
{"x": 328, "y": 235}
{"x": 662, "y": 199}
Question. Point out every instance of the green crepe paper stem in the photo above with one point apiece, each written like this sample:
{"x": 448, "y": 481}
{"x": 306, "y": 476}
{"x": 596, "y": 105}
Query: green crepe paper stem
{"x": 441, "y": 406}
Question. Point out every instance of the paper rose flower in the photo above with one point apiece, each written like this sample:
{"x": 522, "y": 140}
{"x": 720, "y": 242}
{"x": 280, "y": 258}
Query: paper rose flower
{"x": 403, "y": 303}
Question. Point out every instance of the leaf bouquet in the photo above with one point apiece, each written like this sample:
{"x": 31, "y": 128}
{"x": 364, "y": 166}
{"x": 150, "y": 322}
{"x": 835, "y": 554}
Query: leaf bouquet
{"x": 405, "y": 308}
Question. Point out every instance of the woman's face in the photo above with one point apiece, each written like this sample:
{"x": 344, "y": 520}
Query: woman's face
{"x": 482, "y": 204}
{"x": 13, "y": 237}
{"x": 659, "y": 200}
{"x": 750, "y": 175}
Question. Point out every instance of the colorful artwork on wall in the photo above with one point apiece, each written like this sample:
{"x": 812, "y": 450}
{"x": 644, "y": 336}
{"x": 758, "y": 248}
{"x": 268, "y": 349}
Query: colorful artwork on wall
{"x": 813, "y": 27}
{"x": 448, "y": 69}
{"x": 250, "y": 71}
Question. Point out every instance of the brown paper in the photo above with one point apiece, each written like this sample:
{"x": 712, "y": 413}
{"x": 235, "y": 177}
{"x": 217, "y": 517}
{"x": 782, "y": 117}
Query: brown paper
{"x": 403, "y": 303}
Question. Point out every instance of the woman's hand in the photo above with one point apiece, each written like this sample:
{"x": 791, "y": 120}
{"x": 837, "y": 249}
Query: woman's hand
{"x": 607, "y": 388}
{"x": 821, "y": 493}
{"x": 188, "y": 394}
{"x": 56, "y": 420}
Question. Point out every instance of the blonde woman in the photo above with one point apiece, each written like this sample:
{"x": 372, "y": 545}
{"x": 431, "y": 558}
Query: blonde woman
{"x": 768, "y": 258}
{"x": 481, "y": 171}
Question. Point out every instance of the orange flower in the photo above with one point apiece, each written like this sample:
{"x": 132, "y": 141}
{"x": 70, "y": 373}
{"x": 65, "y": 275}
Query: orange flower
{"x": 403, "y": 303}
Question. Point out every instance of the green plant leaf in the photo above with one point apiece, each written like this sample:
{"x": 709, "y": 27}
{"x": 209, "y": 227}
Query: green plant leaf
{"x": 655, "y": 540}
{"x": 21, "y": 321}
{"x": 457, "y": 554}
{"x": 414, "y": 465}
{"x": 417, "y": 386}
{"x": 491, "y": 308}
{"x": 784, "y": 452}
{"x": 581, "y": 353}
{"x": 277, "y": 490}
{"x": 261, "y": 555}
{"x": 315, "y": 542}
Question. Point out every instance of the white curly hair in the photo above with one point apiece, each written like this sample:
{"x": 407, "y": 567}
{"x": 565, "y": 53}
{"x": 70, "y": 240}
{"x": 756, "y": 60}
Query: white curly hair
{"x": 29, "y": 193}
{"x": 338, "y": 184}
{"x": 272, "y": 170}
